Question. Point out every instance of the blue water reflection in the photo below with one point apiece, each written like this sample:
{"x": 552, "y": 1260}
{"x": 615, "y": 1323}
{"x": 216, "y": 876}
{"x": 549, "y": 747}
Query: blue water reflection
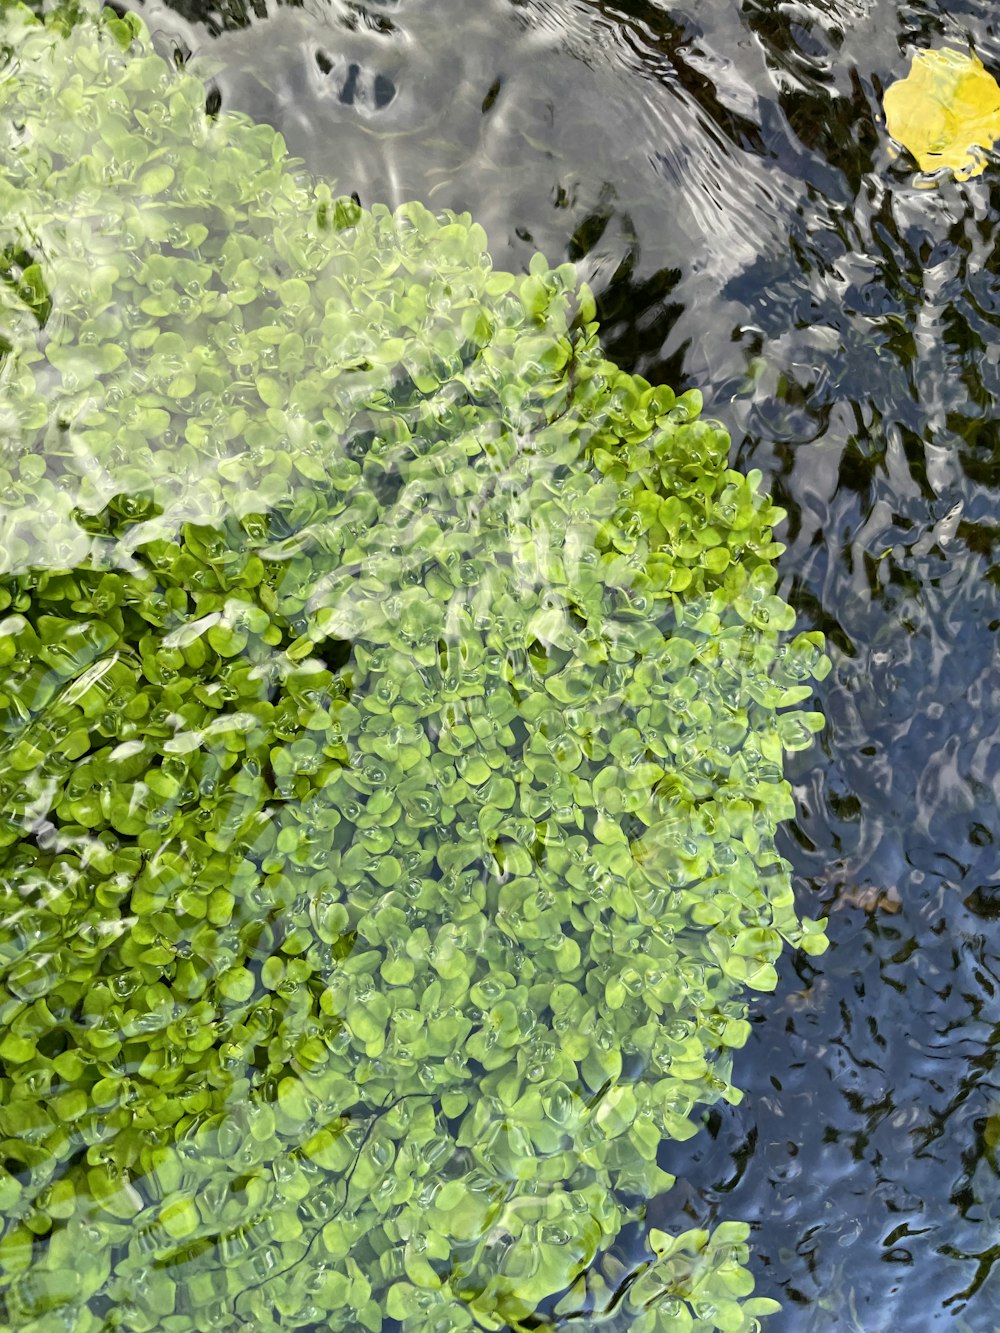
{"x": 721, "y": 174}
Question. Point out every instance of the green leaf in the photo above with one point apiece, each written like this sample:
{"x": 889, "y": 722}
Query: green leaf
{"x": 179, "y": 1217}
{"x": 156, "y": 179}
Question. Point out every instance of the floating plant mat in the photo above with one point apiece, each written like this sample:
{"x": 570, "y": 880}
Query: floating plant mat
{"x": 390, "y": 753}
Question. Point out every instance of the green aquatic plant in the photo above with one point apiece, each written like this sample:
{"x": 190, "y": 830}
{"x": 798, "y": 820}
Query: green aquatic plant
{"x": 391, "y": 734}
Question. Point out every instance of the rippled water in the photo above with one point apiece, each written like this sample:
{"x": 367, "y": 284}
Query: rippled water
{"x": 721, "y": 174}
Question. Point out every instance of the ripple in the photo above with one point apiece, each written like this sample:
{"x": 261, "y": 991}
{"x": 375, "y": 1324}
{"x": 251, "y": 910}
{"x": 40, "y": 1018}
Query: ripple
{"x": 721, "y": 173}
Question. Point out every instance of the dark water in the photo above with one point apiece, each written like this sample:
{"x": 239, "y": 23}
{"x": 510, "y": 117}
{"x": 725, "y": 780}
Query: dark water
{"x": 721, "y": 175}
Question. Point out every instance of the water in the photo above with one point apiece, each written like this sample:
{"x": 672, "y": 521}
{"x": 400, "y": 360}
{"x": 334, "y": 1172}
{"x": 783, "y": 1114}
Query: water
{"x": 721, "y": 175}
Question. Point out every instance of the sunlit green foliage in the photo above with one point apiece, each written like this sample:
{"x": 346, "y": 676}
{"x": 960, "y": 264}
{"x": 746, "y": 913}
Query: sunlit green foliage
{"x": 390, "y": 752}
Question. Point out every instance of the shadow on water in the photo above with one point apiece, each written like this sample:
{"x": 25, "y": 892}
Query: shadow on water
{"x": 721, "y": 174}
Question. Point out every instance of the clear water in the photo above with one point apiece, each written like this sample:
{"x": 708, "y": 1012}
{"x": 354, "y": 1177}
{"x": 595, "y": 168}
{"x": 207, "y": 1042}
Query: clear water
{"x": 721, "y": 175}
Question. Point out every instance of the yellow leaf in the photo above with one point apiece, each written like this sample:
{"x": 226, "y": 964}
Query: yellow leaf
{"x": 945, "y": 111}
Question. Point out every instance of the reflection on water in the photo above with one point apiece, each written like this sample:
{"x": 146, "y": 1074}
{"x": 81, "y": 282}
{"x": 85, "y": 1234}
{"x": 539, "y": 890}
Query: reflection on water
{"x": 352, "y": 575}
{"x": 571, "y": 128}
{"x": 721, "y": 173}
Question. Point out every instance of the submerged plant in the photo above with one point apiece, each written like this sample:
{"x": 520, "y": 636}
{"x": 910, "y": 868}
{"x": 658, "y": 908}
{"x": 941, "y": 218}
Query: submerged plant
{"x": 390, "y": 746}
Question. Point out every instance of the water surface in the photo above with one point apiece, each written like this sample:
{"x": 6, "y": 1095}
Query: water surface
{"x": 721, "y": 175}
